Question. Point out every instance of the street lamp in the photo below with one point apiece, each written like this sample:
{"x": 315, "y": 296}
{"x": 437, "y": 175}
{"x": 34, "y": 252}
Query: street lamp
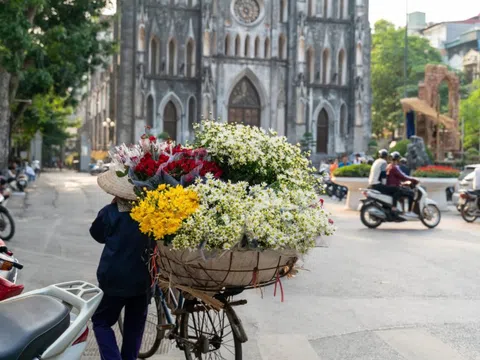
{"x": 108, "y": 124}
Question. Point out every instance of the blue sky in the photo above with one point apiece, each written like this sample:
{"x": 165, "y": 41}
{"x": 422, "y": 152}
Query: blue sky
{"x": 436, "y": 10}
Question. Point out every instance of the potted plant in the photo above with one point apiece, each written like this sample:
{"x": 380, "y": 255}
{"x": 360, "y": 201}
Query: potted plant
{"x": 353, "y": 177}
{"x": 436, "y": 180}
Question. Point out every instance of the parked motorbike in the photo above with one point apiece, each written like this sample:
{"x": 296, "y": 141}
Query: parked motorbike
{"x": 99, "y": 168}
{"x": 468, "y": 203}
{"x": 7, "y": 225}
{"x": 21, "y": 180}
{"x": 48, "y": 323}
{"x": 376, "y": 209}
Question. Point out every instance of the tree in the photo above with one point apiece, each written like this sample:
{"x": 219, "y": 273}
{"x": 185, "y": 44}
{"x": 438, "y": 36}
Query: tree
{"x": 470, "y": 114}
{"x": 46, "y": 48}
{"x": 388, "y": 44}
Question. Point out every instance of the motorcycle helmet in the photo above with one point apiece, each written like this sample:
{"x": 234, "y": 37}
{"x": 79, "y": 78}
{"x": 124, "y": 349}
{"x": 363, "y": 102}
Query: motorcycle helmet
{"x": 403, "y": 161}
{"x": 383, "y": 154}
{"x": 395, "y": 155}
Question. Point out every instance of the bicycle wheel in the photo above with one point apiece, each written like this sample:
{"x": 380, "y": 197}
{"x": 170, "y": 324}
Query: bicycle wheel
{"x": 208, "y": 335}
{"x": 152, "y": 335}
{"x": 7, "y": 226}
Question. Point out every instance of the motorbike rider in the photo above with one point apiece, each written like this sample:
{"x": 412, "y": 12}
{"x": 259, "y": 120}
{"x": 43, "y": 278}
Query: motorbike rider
{"x": 476, "y": 184}
{"x": 395, "y": 177}
{"x": 378, "y": 176}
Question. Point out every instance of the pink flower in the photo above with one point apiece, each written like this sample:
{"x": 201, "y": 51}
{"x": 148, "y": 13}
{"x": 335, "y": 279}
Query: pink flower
{"x": 321, "y": 202}
{"x": 330, "y": 221}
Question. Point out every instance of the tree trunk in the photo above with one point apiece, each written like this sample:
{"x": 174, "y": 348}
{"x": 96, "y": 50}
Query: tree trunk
{"x": 4, "y": 118}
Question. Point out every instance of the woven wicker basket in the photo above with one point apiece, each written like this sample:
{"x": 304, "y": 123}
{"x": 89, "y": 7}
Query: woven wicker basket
{"x": 212, "y": 272}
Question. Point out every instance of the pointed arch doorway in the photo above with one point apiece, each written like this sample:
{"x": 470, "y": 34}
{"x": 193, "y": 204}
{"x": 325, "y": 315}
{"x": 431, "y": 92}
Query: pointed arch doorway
{"x": 244, "y": 104}
{"x": 322, "y": 132}
{"x": 170, "y": 120}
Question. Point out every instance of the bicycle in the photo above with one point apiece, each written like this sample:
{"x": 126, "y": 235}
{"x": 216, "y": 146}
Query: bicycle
{"x": 171, "y": 311}
{"x": 192, "y": 324}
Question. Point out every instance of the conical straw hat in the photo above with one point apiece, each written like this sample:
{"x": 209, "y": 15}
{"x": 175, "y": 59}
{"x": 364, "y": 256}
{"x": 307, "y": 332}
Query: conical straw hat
{"x": 116, "y": 186}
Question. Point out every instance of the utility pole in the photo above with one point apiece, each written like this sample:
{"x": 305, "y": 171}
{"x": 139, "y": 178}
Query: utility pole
{"x": 405, "y": 57}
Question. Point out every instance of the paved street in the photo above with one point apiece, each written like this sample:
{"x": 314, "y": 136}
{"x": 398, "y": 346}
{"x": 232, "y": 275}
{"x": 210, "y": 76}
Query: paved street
{"x": 398, "y": 292}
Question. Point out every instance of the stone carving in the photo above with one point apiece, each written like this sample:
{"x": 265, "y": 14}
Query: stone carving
{"x": 247, "y": 10}
{"x": 416, "y": 153}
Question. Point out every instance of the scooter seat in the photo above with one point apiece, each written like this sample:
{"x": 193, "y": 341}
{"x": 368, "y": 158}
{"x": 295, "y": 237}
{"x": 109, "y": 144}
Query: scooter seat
{"x": 29, "y": 325}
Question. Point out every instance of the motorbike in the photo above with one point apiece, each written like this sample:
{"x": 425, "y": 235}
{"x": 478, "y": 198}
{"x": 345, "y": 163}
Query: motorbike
{"x": 468, "y": 203}
{"x": 332, "y": 189}
{"x": 99, "y": 168}
{"x": 48, "y": 323}
{"x": 7, "y": 225}
{"x": 21, "y": 180}
{"x": 376, "y": 209}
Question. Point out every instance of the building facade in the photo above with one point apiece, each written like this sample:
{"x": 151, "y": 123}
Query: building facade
{"x": 297, "y": 66}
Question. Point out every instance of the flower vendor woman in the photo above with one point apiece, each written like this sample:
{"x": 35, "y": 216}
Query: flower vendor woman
{"x": 122, "y": 273}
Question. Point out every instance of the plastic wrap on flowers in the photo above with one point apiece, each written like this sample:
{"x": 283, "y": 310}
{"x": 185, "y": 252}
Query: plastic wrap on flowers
{"x": 212, "y": 271}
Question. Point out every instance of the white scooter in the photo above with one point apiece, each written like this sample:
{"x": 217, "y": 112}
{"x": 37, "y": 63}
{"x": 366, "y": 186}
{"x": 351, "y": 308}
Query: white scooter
{"x": 376, "y": 209}
{"x": 48, "y": 323}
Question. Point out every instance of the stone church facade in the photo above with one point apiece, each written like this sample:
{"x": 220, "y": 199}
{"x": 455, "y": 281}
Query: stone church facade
{"x": 296, "y": 66}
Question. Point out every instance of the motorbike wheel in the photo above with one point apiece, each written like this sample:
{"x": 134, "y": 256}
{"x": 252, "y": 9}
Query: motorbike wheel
{"x": 367, "y": 220}
{"x": 6, "y": 224}
{"x": 466, "y": 209}
{"x": 430, "y": 216}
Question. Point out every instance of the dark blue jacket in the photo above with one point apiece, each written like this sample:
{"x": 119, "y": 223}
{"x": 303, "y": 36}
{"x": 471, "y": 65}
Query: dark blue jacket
{"x": 123, "y": 267}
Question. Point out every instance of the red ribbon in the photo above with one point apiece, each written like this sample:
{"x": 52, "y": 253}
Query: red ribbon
{"x": 279, "y": 282}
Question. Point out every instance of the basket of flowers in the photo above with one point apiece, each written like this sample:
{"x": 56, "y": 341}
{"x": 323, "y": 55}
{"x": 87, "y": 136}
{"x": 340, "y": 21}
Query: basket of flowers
{"x": 236, "y": 209}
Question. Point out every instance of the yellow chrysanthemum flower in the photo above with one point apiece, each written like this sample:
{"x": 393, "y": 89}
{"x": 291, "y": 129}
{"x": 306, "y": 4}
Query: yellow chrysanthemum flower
{"x": 162, "y": 211}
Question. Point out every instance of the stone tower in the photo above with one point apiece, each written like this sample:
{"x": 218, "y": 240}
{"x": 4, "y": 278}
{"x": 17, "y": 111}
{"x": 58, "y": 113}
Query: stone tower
{"x": 296, "y": 66}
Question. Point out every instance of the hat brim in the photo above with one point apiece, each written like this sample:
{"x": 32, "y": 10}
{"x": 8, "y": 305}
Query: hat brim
{"x": 116, "y": 186}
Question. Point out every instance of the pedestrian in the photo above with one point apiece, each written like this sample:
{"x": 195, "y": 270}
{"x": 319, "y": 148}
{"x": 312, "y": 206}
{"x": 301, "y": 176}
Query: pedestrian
{"x": 404, "y": 166}
{"x": 29, "y": 172}
{"x": 357, "y": 160}
{"x": 344, "y": 162}
{"x": 122, "y": 272}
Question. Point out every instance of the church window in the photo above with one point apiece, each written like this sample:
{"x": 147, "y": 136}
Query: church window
{"x": 343, "y": 120}
{"x": 311, "y": 7}
{"x": 213, "y": 43}
{"x": 141, "y": 39}
{"x": 190, "y": 58}
{"x": 154, "y": 55}
{"x": 282, "y": 47}
{"x": 191, "y": 114}
{"x": 283, "y": 11}
{"x": 247, "y": 11}
{"x": 341, "y": 68}
{"x": 244, "y": 104}
{"x": 172, "y": 57}
{"x": 238, "y": 46}
{"x": 326, "y": 66}
{"x": 227, "y": 45}
{"x": 325, "y": 8}
{"x": 170, "y": 120}
{"x": 267, "y": 48}
{"x": 322, "y": 132}
{"x": 150, "y": 112}
{"x": 247, "y": 46}
{"x": 257, "y": 47}
{"x": 310, "y": 65}
{"x": 359, "y": 60}
{"x": 341, "y": 9}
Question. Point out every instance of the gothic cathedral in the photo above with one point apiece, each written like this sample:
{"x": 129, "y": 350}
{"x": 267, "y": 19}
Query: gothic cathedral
{"x": 297, "y": 66}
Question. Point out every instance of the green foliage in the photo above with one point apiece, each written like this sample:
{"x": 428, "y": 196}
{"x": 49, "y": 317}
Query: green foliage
{"x": 49, "y": 46}
{"x": 401, "y": 146}
{"x": 307, "y": 142}
{"x": 472, "y": 155}
{"x": 163, "y": 136}
{"x": 470, "y": 113}
{"x": 388, "y": 45}
{"x": 362, "y": 170}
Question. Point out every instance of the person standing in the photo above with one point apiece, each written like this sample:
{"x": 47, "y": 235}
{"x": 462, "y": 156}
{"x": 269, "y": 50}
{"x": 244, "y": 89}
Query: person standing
{"x": 344, "y": 162}
{"x": 122, "y": 272}
{"x": 357, "y": 160}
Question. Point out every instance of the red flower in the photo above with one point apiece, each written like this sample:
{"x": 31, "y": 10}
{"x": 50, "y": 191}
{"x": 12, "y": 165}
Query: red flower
{"x": 152, "y": 138}
{"x": 321, "y": 202}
